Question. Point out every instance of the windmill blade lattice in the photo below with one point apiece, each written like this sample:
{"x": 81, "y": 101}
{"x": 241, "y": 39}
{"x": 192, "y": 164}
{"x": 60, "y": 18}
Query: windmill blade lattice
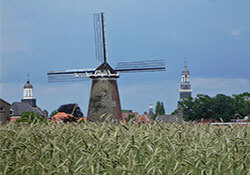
{"x": 67, "y": 78}
{"x": 55, "y": 79}
{"x": 141, "y": 66}
{"x": 69, "y": 75}
{"x": 100, "y": 41}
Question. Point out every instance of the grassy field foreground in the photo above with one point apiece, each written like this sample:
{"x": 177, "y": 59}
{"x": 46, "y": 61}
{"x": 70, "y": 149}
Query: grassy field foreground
{"x": 124, "y": 149}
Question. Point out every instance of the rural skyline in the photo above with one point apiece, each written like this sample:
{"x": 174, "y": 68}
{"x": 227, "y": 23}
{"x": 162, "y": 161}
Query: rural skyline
{"x": 213, "y": 35}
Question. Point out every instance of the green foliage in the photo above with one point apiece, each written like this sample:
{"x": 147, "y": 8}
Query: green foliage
{"x": 70, "y": 119}
{"x": 124, "y": 149}
{"x": 126, "y": 110}
{"x": 131, "y": 117}
{"x": 69, "y": 108}
{"x": 159, "y": 109}
{"x": 218, "y": 107}
{"x": 53, "y": 113}
{"x": 175, "y": 112}
{"x": 242, "y": 103}
{"x": 162, "y": 109}
{"x": 30, "y": 117}
{"x": 154, "y": 116}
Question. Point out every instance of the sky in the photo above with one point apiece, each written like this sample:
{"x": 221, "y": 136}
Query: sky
{"x": 43, "y": 35}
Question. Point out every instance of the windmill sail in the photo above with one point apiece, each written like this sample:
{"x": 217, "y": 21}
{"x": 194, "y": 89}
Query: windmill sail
{"x": 141, "y": 66}
{"x": 69, "y": 75}
{"x": 69, "y": 78}
{"x": 104, "y": 70}
{"x": 100, "y": 41}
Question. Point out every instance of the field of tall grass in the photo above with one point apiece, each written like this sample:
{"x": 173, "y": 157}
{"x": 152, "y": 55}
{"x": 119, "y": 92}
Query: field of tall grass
{"x": 125, "y": 149}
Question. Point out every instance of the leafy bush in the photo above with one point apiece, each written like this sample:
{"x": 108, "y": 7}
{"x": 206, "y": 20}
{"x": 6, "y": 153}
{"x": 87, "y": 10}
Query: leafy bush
{"x": 53, "y": 113}
{"x": 30, "y": 117}
{"x": 131, "y": 117}
{"x": 69, "y": 108}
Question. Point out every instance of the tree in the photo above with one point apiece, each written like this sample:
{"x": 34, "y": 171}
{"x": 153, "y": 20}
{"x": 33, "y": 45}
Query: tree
{"x": 131, "y": 117}
{"x": 242, "y": 103}
{"x": 162, "y": 109}
{"x": 223, "y": 107}
{"x": 70, "y": 119}
{"x": 31, "y": 117}
{"x": 68, "y": 109}
{"x": 53, "y": 113}
{"x": 218, "y": 107}
{"x": 159, "y": 109}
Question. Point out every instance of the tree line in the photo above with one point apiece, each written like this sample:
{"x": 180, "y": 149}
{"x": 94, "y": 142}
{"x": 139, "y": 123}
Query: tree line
{"x": 219, "y": 107}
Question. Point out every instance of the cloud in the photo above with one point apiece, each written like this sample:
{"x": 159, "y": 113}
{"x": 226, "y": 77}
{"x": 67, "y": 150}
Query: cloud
{"x": 236, "y": 32}
{"x": 215, "y": 83}
{"x": 213, "y": 86}
{"x": 15, "y": 33}
{"x": 14, "y": 45}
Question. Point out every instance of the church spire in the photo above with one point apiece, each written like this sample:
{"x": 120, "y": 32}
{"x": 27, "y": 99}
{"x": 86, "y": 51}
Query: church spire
{"x": 185, "y": 62}
{"x": 28, "y": 77}
{"x": 185, "y": 70}
{"x": 185, "y": 89}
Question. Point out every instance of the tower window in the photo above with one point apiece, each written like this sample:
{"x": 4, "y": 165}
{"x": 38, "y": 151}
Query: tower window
{"x": 1, "y": 109}
{"x": 11, "y": 111}
{"x": 26, "y": 92}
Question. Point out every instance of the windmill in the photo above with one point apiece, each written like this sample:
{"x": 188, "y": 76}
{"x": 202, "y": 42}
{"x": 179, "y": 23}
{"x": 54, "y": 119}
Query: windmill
{"x": 104, "y": 95}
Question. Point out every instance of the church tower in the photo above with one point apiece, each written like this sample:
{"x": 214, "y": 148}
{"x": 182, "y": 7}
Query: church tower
{"x": 151, "y": 111}
{"x": 28, "y": 95}
{"x": 185, "y": 89}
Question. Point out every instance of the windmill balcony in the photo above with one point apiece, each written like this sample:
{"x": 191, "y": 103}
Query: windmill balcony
{"x": 104, "y": 74}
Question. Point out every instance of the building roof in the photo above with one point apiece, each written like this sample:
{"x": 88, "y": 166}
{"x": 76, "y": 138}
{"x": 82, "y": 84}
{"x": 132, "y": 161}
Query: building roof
{"x": 169, "y": 118}
{"x": 126, "y": 113}
{"x": 4, "y": 101}
{"x": 14, "y": 119}
{"x": 28, "y": 85}
{"x": 144, "y": 118}
{"x": 60, "y": 116}
{"x": 19, "y": 107}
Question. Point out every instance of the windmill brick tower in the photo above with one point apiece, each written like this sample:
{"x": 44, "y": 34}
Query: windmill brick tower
{"x": 104, "y": 98}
